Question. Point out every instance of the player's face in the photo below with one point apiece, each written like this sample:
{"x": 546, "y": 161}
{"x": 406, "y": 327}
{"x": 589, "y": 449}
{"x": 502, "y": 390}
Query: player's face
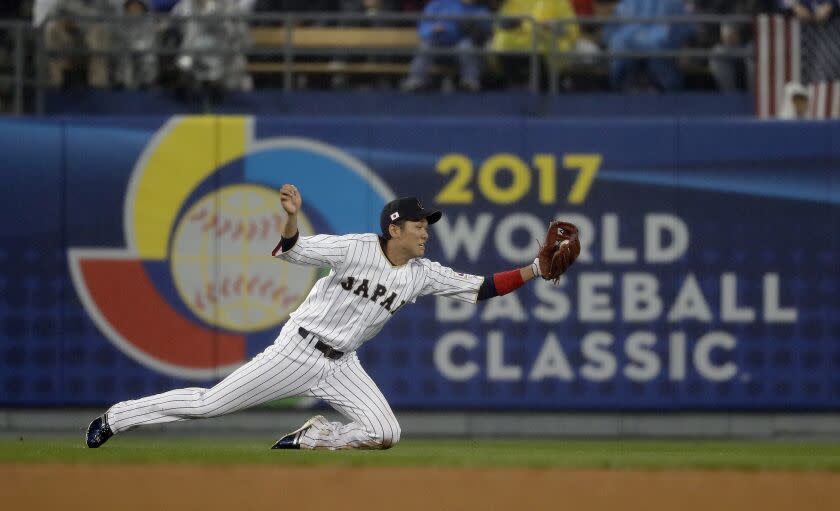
{"x": 413, "y": 237}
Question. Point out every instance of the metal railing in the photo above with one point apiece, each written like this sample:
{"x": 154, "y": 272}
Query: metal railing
{"x": 27, "y": 81}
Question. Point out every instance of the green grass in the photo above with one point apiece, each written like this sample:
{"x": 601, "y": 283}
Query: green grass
{"x": 578, "y": 454}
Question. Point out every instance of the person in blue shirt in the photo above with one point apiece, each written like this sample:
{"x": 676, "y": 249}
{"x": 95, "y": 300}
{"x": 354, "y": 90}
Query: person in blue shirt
{"x": 449, "y": 33}
{"x": 662, "y": 72}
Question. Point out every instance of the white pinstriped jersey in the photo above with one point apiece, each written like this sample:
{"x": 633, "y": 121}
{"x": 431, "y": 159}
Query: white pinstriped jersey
{"x": 363, "y": 289}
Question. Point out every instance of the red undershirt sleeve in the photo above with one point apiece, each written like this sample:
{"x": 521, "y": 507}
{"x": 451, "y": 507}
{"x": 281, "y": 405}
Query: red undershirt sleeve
{"x": 500, "y": 284}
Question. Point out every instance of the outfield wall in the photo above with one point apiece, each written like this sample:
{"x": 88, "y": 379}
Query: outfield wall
{"x": 134, "y": 257}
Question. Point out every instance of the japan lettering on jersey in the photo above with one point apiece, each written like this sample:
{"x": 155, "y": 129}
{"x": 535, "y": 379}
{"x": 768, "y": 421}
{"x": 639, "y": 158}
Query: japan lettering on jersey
{"x": 363, "y": 289}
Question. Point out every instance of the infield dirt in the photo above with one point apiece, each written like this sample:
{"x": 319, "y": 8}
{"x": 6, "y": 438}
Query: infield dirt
{"x": 186, "y": 487}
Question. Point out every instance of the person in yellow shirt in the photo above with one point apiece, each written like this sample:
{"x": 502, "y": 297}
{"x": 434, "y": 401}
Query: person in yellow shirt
{"x": 518, "y": 35}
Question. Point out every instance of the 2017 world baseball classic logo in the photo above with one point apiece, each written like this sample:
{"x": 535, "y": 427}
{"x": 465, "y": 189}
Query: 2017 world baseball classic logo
{"x": 195, "y": 279}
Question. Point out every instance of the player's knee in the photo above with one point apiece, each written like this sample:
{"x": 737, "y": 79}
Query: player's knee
{"x": 386, "y": 437}
{"x": 199, "y": 406}
{"x": 395, "y": 435}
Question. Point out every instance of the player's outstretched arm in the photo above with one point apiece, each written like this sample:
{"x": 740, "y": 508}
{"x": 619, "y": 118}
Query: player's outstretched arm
{"x": 291, "y": 201}
{"x": 505, "y": 282}
{"x": 559, "y": 251}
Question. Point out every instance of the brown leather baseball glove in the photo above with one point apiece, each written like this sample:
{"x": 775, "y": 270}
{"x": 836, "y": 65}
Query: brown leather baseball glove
{"x": 560, "y": 250}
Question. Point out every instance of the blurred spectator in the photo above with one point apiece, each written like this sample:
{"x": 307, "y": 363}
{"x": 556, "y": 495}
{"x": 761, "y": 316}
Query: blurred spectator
{"x": 225, "y": 70}
{"x": 518, "y": 35}
{"x": 64, "y": 30}
{"x": 584, "y": 7}
{"x": 811, "y": 11}
{"x": 795, "y": 102}
{"x": 463, "y": 35}
{"x": 661, "y": 73}
{"x": 589, "y": 33}
{"x": 245, "y": 6}
{"x": 136, "y": 37}
{"x": 730, "y": 73}
{"x": 820, "y": 38}
{"x": 40, "y": 10}
{"x": 240, "y": 78}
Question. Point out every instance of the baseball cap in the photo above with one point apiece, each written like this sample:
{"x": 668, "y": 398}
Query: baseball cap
{"x": 405, "y": 208}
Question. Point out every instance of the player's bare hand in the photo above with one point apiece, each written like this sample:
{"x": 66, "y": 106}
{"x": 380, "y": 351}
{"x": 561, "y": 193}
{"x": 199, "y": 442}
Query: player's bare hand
{"x": 290, "y": 199}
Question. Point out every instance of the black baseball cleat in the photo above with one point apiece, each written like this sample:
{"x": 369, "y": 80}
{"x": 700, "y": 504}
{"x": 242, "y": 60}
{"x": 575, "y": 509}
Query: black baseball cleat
{"x": 292, "y": 440}
{"x": 98, "y": 432}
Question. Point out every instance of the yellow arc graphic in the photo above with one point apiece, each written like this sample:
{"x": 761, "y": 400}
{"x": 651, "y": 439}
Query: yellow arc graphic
{"x": 187, "y": 151}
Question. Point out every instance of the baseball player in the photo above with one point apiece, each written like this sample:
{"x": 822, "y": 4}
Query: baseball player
{"x": 371, "y": 278}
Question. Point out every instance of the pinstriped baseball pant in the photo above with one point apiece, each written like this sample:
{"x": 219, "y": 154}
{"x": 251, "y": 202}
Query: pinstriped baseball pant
{"x": 289, "y": 367}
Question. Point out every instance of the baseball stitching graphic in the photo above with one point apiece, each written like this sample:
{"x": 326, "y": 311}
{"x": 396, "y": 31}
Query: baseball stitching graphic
{"x": 222, "y": 265}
